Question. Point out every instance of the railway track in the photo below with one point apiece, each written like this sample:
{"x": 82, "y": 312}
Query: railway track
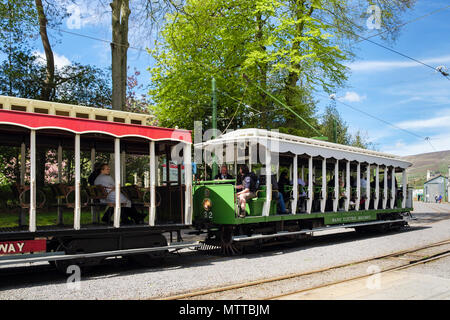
{"x": 293, "y": 294}
{"x": 409, "y": 262}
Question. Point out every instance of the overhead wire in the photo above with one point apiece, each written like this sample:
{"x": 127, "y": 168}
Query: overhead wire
{"x": 427, "y": 139}
{"x": 383, "y": 46}
{"x": 97, "y": 39}
{"x": 350, "y": 31}
{"x": 237, "y": 108}
{"x": 408, "y": 22}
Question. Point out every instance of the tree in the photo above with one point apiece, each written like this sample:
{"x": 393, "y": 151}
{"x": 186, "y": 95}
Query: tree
{"x": 146, "y": 13}
{"x": 135, "y": 103}
{"x": 49, "y": 82}
{"x": 119, "y": 47}
{"x": 22, "y": 75}
{"x": 331, "y": 120}
{"x": 288, "y": 48}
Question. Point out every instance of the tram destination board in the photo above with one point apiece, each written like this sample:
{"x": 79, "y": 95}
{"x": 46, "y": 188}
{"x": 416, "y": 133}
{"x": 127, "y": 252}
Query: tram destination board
{"x": 14, "y": 247}
{"x": 346, "y": 217}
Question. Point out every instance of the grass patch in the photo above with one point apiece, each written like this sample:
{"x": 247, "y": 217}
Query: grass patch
{"x": 43, "y": 218}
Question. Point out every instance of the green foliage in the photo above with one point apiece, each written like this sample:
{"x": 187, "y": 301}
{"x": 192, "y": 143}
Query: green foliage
{"x": 330, "y": 116}
{"x": 331, "y": 119}
{"x": 225, "y": 40}
{"x": 18, "y": 22}
{"x": 290, "y": 48}
{"x": 6, "y": 197}
{"x": 23, "y": 73}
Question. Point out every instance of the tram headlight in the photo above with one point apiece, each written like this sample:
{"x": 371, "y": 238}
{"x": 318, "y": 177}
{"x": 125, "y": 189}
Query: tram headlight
{"x": 207, "y": 204}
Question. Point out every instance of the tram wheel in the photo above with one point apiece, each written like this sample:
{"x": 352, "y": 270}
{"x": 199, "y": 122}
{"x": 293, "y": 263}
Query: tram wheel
{"x": 229, "y": 248}
{"x": 73, "y": 247}
{"x": 62, "y": 265}
{"x": 153, "y": 258}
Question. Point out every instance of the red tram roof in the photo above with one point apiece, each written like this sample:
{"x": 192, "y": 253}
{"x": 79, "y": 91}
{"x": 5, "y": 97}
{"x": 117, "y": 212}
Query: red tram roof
{"x": 39, "y": 121}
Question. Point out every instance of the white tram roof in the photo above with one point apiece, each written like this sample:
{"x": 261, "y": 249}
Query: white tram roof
{"x": 282, "y": 143}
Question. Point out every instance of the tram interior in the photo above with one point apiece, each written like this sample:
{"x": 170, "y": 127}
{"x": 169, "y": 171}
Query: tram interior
{"x": 55, "y": 192}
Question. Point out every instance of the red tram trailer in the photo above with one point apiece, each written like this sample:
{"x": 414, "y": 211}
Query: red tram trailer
{"x": 32, "y": 125}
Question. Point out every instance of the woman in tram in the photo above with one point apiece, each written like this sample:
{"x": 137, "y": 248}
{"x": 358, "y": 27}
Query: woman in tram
{"x": 102, "y": 177}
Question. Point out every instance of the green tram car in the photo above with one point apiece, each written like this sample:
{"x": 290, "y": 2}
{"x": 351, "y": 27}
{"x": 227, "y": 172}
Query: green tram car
{"x": 337, "y": 186}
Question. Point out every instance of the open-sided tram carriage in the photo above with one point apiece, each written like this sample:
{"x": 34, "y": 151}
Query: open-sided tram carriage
{"x": 332, "y": 197}
{"x": 32, "y": 126}
{"x": 341, "y": 186}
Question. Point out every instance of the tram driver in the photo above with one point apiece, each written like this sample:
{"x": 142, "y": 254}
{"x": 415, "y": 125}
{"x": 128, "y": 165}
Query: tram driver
{"x": 223, "y": 175}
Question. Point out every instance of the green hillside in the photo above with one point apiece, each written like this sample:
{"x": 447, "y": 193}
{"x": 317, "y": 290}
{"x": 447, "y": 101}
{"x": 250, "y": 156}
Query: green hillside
{"x": 434, "y": 161}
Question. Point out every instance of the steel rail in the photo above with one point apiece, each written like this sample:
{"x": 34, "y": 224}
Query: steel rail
{"x": 295, "y": 275}
{"x": 392, "y": 269}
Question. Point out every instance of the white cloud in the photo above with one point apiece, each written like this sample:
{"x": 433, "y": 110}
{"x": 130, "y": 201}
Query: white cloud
{"x": 439, "y": 142}
{"x": 437, "y": 122}
{"x": 352, "y": 96}
{"x": 60, "y": 60}
{"x": 87, "y": 13}
{"x": 427, "y": 93}
{"x": 389, "y": 65}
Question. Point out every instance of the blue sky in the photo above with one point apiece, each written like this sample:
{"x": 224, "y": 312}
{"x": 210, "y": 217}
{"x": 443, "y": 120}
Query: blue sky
{"x": 382, "y": 83}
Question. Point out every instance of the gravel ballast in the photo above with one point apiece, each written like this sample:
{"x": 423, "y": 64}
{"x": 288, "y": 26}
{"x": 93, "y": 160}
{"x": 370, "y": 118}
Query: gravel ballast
{"x": 208, "y": 272}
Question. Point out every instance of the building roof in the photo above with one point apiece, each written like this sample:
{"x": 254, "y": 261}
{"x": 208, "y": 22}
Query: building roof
{"x": 434, "y": 178}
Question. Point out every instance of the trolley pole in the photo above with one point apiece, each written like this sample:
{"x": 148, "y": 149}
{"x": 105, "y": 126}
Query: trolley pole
{"x": 214, "y": 125}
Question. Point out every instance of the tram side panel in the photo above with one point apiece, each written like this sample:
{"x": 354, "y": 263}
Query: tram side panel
{"x": 214, "y": 204}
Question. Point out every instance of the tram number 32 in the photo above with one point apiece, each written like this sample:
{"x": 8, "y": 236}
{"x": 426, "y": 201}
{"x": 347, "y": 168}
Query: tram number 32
{"x": 208, "y": 214}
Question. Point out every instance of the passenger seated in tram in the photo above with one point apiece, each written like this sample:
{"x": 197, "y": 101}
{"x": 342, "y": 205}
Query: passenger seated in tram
{"x": 248, "y": 188}
{"x": 275, "y": 187}
{"x": 363, "y": 191}
{"x": 101, "y": 176}
{"x": 389, "y": 186}
{"x": 282, "y": 182}
{"x": 223, "y": 175}
{"x": 342, "y": 195}
{"x": 302, "y": 195}
{"x": 317, "y": 194}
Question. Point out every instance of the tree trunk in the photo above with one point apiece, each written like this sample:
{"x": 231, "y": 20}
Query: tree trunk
{"x": 49, "y": 84}
{"x": 293, "y": 77}
{"x": 119, "y": 48}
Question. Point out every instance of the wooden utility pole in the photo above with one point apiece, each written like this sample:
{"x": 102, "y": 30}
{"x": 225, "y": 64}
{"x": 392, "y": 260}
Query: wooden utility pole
{"x": 119, "y": 47}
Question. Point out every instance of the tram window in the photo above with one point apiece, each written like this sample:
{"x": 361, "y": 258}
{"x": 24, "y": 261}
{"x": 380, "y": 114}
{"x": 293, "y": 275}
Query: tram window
{"x": 41, "y": 110}
{"x": 1, "y": 106}
{"x": 103, "y": 118}
{"x": 121, "y": 120}
{"x": 136, "y": 121}
{"x": 83, "y": 115}
{"x": 19, "y": 108}
{"x": 62, "y": 113}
